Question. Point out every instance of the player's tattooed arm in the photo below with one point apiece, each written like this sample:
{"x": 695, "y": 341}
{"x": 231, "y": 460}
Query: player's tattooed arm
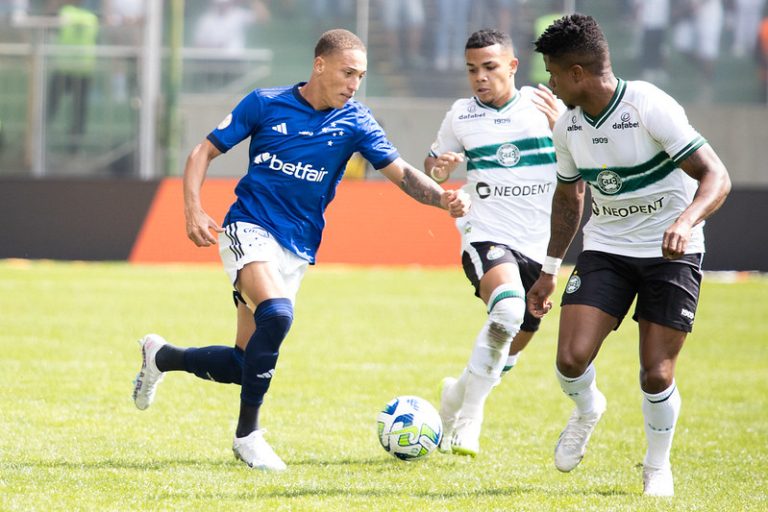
{"x": 417, "y": 185}
{"x": 423, "y": 189}
{"x": 567, "y": 207}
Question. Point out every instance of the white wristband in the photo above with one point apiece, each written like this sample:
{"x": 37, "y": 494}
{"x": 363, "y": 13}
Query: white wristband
{"x": 551, "y": 265}
{"x": 435, "y": 177}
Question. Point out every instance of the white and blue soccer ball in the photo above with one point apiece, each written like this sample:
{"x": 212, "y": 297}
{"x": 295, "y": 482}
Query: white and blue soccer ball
{"x": 409, "y": 427}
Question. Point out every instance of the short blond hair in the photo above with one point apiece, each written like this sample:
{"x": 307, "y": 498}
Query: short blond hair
{"x": 336, "y": 40}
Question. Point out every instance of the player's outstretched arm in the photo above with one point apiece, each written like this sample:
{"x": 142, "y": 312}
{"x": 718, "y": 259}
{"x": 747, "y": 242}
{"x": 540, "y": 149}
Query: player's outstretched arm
{"x": 567, "y": 207}
{"x": 198, "y": 223}
{"x": 417, "y": 185}
{"x": 440, "y": 168}
{"x": 714, "y": 185}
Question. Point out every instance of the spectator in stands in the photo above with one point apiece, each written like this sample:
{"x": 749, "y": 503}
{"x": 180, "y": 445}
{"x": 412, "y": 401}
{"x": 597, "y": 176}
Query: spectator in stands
{"x": 653, "y": 18}
{"x": 746, "y": 23}
{"x": 72, "y": 72}
{"x": 697, "y": 35}
{"x": 333, "y": 13}
{"x": 450, "y": 34}
{"x": 124, "y": 27}
{"x": 761, "y": 51}
{"x": 225, "y": 25}
{"x": 13, "y": 9}
{"x": 537, "y": 71}
{"x": 408, "y": 16}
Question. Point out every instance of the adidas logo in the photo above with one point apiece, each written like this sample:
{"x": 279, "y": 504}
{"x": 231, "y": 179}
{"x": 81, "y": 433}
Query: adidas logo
{"x": 263, "y": 157}
{"x": 266, "y": 375}
{"x": 281, "y": 128}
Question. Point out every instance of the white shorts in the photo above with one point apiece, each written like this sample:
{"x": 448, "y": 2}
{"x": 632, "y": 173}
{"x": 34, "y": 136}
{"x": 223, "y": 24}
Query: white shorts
{"x": 242, "y": 243}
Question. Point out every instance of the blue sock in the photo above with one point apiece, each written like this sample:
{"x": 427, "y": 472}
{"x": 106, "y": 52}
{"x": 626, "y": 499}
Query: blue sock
{"x": 217, "y": 363}
{"x": 273, "y": 320}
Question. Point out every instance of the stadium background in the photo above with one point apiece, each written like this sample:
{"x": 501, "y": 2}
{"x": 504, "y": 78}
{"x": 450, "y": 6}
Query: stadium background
{"x": 112, "y": 193}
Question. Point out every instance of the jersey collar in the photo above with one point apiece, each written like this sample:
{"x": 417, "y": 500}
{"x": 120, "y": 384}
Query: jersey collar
{"x": 514, "y": 99}
{"x": 302, "y": 100}
{"x": 618, "y": 94}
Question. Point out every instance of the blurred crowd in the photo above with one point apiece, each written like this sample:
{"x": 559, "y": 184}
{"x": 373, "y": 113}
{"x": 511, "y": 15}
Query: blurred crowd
{"x": 408, "y": 36}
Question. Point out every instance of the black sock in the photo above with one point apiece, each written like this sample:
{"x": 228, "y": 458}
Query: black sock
{"x": 170, "y": 358}
{"x": 248, "y": 420}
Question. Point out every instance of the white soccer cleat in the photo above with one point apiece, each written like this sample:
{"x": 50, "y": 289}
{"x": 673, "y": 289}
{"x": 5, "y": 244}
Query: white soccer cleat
{"x": 466, "y": 437}
{"x": 448, "y": 415}
{"x": 573, "y": 440}
{"x": 658, "y": 482}
{"x": 145, "y": 384}
{"x": 254, "y": 450}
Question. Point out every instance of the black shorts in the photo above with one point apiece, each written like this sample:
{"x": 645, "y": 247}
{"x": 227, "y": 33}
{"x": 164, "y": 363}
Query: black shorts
{"x": 667, "y": 290}
{"x": 500, "y": 253}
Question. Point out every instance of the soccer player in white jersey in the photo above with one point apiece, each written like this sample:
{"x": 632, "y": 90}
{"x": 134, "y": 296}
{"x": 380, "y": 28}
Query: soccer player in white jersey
{"x": 506, "y": 135}
{"x": 301, "y": 138}
{"x": 653, "y": 181}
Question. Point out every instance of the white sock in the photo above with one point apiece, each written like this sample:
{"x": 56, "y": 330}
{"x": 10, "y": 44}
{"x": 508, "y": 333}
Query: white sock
{"x": 476, "y": 391}
{"x": 660, "y": 413}
{"x": 454, "y": 395}
{"x": 511, "y": 362}
{"x": 580, "y": 389}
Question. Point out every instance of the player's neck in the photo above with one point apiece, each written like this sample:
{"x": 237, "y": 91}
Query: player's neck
{"x": 601, "y": 94}
{"x": 312, "y": 96}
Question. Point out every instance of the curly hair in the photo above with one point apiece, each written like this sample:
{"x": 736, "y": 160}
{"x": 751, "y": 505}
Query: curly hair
{"x": 336, "y": 40}
{"x": 575, "y": 39}
{"x": 488, "y": 37}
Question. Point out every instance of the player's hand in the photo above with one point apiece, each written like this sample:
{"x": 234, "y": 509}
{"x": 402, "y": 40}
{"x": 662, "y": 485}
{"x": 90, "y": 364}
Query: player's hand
{"x": 457, "y": 202}
{"x": 444, "y": 166}
{"x": 539, "y": 294}
{"x": 546, "y": 102}
{"x": 676, "y": 239}
{"x": 199, "y": 226}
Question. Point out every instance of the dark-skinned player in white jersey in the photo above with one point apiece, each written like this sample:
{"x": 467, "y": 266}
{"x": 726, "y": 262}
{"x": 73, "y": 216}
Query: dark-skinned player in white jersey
{"x": 653, "y": 180}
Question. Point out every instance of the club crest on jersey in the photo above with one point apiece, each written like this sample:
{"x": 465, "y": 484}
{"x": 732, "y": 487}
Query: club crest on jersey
{"x": 225, "y": 122}
{"x": 494, "y": 253}
{"x": 608, "y": 182}
{"x": 574, "y": 283}
{"x": 508, "y": 155}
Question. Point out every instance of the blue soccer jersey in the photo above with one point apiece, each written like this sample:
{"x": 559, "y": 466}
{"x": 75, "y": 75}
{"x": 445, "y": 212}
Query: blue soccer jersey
{"x": 297, "y": 158}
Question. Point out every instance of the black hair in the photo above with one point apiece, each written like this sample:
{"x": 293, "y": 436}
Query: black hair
{"x": 488, "y": 37}
{"x": 575, "y": 39}
{"x": 336, "y": 40}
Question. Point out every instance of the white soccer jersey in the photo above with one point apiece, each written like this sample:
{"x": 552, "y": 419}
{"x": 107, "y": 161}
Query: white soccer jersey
{"x": 511, "y": 172}
{"x": 628, "y": 155}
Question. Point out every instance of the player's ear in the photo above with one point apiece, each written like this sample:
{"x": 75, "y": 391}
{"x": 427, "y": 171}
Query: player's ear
{"x": 577, "y": 72}
{"x": 319, "y": 64}
{"x": 513, "y": 66}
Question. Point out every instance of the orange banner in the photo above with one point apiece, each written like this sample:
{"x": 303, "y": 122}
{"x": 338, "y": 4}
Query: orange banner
{"x": 368, "y": 223}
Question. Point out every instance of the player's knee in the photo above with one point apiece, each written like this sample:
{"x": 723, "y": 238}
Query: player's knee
{"x": 570, "y": 365}
{"x": 506, "y": 311}
{"x": 657, "y": 378}
{"x": 274, "y": 318}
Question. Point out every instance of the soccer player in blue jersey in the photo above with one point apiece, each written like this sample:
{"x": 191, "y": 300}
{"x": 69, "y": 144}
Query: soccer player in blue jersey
{"x": 654, "y": 180}
{"x": 301, "y": 138}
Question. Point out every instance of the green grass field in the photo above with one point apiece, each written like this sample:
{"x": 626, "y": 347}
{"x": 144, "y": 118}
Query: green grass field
{"x": 71, "y": 438}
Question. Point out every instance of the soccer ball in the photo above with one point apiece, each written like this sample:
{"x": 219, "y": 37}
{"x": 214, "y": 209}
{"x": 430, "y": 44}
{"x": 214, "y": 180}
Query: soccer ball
{"x": 409, "y": 427}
